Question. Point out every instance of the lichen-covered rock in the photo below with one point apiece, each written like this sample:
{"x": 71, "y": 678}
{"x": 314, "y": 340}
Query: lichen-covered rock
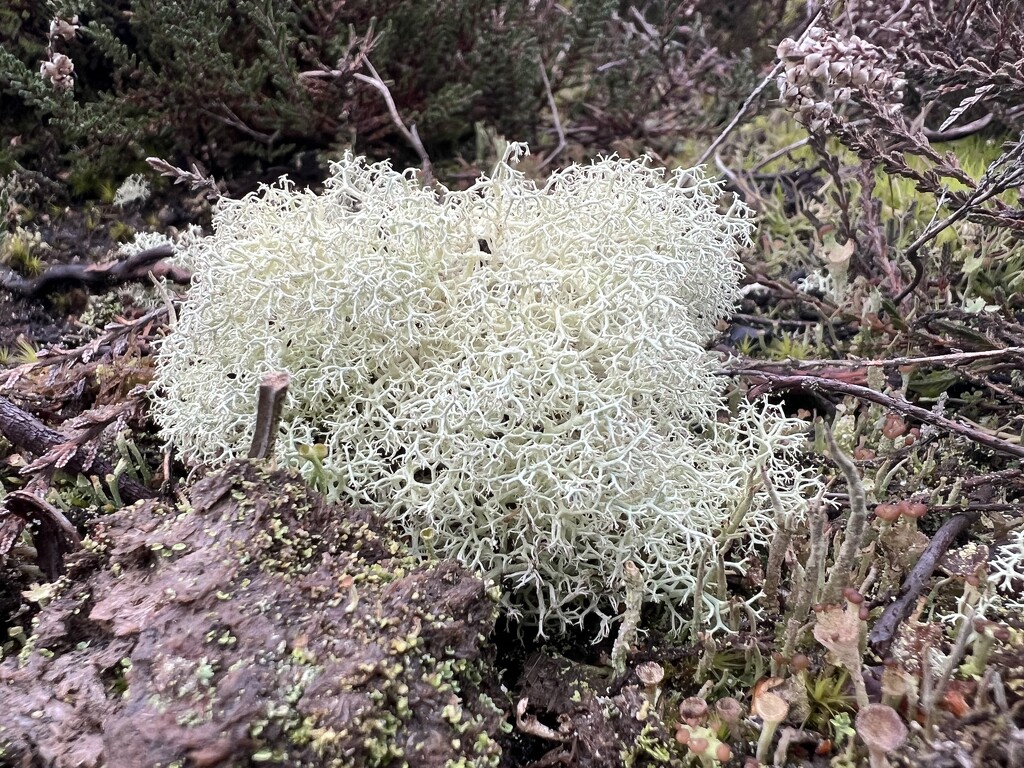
{"x": 255, "y": 623}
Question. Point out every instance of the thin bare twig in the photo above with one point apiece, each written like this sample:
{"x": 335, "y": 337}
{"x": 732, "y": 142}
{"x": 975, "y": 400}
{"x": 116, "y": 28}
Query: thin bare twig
{"x": 234, "y": 121}
{"x": 781, "y": 381}
{"x": 949, "y": 360}
{"x": 756, "y": 93}
{"x": 351, "y": 60}
{"x": 912, "y": 254}
{"x": 780, "y": 153}
{"x": 554, "y": 118}
{"x": 85, "y": 352}
{"x": 958, "y": 133}
{"x": 748, "y": 192}
{"x": 410, "y": 134}
{"x": 769, "y": 78}
{"x": 991, "y": 185}
{"x": 27, "y": 432}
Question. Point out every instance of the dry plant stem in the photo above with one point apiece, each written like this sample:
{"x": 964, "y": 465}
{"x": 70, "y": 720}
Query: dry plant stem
{"x": 554, "y": 118}
{"x": 28, "y": 433}
{"x": 780, "y": 381}
{"x": 52, "y": 534}
{"x": 197, "y": 178}
{"x": 768, "y": 79}
{"x": 165, "y": 296}
{"x": 998, "y": 691}
{"x": 234, "y": 121}
{"x": 88, "y": 276}
{"x": 950, "y": 360}
{"x": 749, "y": 193}
{"x": 832, "y": 166}
{"x": 988, "y": 188}
{"x": 962, "y": 132}
{"x": 273, "y": 390}
{"x": 855, "y": 524}
{"x": 981, "y": 380}
{"x": 86, "y": 352}
{"x": 1010, "y": 507}
{"x": 884, "y": 631}
{"x": 410, "y": 135}
{"x": 830, "y": 312}
{"x": 990, "y": 477}
{"x": 780, "y": 153}
{"x": 912, "y": 254}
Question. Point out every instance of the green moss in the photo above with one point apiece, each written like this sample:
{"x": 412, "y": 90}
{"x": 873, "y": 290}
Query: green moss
{"x": 121, "y": 232}
{"x": 19, "y": 251}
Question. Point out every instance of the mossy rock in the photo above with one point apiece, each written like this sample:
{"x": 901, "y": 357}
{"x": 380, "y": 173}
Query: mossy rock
{"x": 254, "y": 623}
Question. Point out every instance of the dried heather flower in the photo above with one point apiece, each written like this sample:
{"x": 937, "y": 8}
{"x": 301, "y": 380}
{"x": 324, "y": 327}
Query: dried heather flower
{"x": 823, "y": 72}
{"x": 63, "y": 30}
{"x": 59, "y": 70}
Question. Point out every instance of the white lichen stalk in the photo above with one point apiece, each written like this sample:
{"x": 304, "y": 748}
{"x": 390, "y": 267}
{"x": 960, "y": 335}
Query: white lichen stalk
{"x": 1007, "y": 573}
{"x": 520, "y": 369}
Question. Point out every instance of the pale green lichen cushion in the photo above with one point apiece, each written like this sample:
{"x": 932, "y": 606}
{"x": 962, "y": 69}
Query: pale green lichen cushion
{"x": 518, "y": 369}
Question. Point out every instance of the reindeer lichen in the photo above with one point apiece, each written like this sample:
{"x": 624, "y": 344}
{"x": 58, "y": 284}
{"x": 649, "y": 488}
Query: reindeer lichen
{"x": 517, "y": 368}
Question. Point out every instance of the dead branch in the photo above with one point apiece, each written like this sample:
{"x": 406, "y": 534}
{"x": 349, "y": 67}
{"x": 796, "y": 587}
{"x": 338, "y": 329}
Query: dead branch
{"x": 772, "y": 381}
{"x": 410, "y": 134}
{"x": 961, "y": 132}
{"x": 52, "y": 534}
{"x": 554, "y": 118}
{"x": 756, "y": 93}
{"x": 28, "y": 433}
{"x": 991, "y": 185}
{"x": 949, "y": 360}
{"x": 94, "y": 277}
{"x": 273, "y": 390}
{"x": 86, "y": 352}
{"x": 884, "y": 631}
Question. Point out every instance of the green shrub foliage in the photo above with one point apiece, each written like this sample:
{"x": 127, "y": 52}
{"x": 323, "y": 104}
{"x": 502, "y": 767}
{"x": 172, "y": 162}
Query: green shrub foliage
{"x": 238, "y": 84}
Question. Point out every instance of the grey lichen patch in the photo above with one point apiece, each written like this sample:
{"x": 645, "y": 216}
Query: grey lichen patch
{"x": 262, "y": 626}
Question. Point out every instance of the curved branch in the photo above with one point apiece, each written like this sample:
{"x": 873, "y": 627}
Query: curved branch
{"x": 884, "y": 631}
{"x": 89, "y": 276}
{"x": 29, "y": 433}
{"x": 780, "y": 381}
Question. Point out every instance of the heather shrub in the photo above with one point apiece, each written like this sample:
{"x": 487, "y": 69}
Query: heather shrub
{"x": 97, "y": 85}
{"x": 236, "y": 83}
